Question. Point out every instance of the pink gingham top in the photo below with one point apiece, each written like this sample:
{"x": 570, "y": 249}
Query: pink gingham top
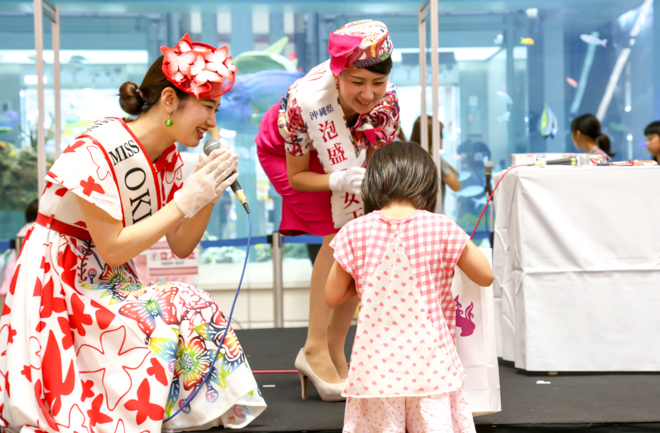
{"x": 432, "y": 245}
{"x": 433, "y": 242}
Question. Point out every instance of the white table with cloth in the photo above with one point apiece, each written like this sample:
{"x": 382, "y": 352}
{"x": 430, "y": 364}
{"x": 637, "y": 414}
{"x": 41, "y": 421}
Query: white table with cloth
{"x": 577, "y": 268}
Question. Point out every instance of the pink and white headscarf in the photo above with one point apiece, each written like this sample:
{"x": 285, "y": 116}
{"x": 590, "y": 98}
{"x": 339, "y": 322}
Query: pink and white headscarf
{"x": 359, "y": 44}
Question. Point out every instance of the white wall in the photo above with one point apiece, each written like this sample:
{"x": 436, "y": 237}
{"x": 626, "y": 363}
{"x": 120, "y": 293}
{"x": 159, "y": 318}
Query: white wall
{"x": 254, "y": 307}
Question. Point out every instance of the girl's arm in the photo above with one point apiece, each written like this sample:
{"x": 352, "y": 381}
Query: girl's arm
{"x": 475, "y": 265}
{"x": 340, "y": 286}
{"x": 118, "y": 244}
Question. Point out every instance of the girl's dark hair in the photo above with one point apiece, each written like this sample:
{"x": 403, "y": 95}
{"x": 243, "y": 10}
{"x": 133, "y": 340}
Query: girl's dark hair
{"x": 652, "y": 128}
{"x": 416, "y": 135}
{"x": 382, "y": 68}
{"x": 136, "y": 103}
{"x": 589, "y": 125}
{"x": 401, "y": 170}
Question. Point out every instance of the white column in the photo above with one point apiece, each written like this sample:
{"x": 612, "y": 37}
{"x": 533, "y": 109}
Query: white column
{"x": 422, "y": 74}
{"x": 41, "y": 132}
{"x": 56, "y": 82}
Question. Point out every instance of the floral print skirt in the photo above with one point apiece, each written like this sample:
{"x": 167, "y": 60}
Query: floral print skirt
{"x": 85, "y": 347}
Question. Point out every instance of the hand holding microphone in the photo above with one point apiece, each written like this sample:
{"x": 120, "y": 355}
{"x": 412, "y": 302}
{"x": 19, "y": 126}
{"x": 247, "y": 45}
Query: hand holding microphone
{"x": 349, "y": 180}
{"x": 213, "y": 145}
{"x": 207, "y": 183}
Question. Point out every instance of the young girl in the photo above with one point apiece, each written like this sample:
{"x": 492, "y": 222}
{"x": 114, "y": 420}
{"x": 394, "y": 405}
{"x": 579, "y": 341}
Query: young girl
{"x": 399, "y": 258}
{"x": 586, "y": 135}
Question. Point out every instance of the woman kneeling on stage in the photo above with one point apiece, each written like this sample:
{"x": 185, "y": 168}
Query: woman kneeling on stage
{"x": 83, "y": 344}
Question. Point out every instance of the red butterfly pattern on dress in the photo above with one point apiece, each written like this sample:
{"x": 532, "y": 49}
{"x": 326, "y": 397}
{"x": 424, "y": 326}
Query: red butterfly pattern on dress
{"x": 56, "y": 386}
{"x": 145, "y": 409}
{"x": 77, "y": 421}
{"x": 72, "y": 147}
{"x": 99, "y": 160}
{"x": 94, "y": 363}
{"x": 90, "y": 186}
{"x": 95, "y": 414}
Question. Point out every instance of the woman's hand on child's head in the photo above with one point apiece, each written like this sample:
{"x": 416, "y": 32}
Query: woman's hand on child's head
{"x": 349, "y": 180}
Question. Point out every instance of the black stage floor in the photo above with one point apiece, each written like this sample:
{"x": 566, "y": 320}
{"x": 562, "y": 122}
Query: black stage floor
{"x": 593, "y": 402}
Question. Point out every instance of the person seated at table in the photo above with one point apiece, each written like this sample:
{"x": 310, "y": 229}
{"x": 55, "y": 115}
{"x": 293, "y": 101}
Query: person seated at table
{"x": 652, "y": 132}
{"x": 586, "y": 135}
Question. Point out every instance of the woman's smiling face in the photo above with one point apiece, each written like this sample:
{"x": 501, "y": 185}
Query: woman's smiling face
{"x": 360, "y": 90}
{"x": 190, "y": 122}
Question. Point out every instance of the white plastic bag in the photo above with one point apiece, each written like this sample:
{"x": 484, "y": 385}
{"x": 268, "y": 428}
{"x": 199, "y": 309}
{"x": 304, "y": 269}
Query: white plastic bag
{"x": 475, "y": 334}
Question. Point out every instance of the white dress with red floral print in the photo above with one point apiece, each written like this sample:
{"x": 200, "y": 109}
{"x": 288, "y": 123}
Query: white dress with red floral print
{"x": 87, "y": 348}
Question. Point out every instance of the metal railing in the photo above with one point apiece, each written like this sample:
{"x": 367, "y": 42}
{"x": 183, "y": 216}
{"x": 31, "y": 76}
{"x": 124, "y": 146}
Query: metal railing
{"x": 51, "y": 11}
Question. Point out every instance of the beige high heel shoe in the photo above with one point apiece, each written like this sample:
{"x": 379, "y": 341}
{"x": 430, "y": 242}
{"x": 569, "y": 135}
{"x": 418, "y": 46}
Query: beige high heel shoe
{"x": 327, "y": 391}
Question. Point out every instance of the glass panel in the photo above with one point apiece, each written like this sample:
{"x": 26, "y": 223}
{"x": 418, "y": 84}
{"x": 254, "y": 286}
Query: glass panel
{"x": 510, "y": 80}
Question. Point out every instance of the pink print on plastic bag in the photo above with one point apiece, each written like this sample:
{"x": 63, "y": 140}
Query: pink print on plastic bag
{"x": 464, "y": 321}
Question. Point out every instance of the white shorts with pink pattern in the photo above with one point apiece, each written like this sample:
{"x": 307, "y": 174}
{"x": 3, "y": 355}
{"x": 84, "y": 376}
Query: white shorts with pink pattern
{"x": 439, "y": 413}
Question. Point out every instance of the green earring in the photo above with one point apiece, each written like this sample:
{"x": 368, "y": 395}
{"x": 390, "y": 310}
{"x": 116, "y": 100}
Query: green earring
{"x": 168, "y": 122}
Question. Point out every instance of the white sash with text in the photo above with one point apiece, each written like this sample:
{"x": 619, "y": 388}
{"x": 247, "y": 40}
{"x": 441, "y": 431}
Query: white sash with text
{"x": 319, "y": 102}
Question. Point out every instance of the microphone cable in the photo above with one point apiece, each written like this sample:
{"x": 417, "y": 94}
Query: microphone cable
{"x": 186, "y": 403}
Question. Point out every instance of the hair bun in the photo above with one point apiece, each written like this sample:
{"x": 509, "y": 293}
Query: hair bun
{"x": 129, "y": 98}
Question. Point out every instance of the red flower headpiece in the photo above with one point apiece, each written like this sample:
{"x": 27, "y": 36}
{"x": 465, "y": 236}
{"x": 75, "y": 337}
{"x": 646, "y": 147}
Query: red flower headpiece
{"x": 199, "y": 69}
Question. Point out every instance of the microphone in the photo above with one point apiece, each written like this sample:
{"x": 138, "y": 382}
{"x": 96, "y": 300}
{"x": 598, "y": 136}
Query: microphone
{"x": 213, "y": 144}
{"x": 488, "y": 167}
{"x": 561, "y": 161}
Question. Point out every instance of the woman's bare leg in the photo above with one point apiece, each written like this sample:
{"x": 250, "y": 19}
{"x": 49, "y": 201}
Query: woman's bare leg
{"x": 316, "y": 346}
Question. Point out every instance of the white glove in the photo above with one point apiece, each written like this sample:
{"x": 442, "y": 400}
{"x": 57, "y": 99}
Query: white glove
{"x": 200, "y": 163}
{"x": 203, "y": 159}
{"x": 349, "y": 180}
{"x": 224, "y": 147}
{"x": 207, "y": 183}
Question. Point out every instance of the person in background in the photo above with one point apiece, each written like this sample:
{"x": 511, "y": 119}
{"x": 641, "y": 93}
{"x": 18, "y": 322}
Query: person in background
{"x": 400, "y": 136}
{"x": 30, "y": 217}
{"x": 586, "y": 135}
{"x": 447, "y": 171}
{"x": 399, "y": 259}
{"x": 652, "y": 132}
